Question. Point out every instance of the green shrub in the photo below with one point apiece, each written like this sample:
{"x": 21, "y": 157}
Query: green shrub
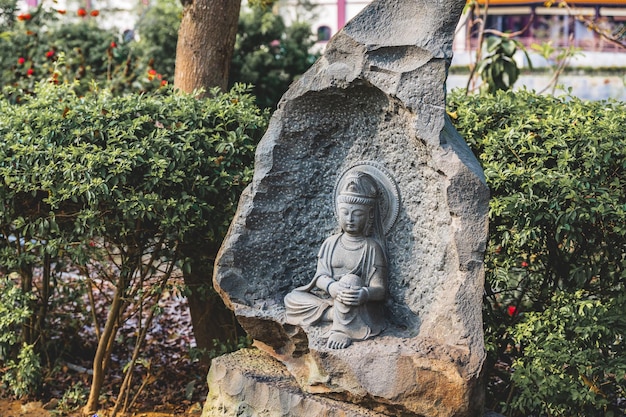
{"x": 131, "y": 178}
{"x": 22, "y": 377}
{"x": 45, "y": 44}
{"x": 556, "y": 260}
{"x": 269, "y": 55}
{"x": 573, "y": 360}
{"x": 158, "y": 35}
{"x": 14, "y": 310}
{"x": 170, "y": 160}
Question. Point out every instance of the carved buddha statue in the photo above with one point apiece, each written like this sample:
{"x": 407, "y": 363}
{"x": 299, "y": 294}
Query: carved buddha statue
{"x": 350, "y": 283}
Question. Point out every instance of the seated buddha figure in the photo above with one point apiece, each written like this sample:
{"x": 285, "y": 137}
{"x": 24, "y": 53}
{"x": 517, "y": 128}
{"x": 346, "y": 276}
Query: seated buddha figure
{"x": 350, "y": 282}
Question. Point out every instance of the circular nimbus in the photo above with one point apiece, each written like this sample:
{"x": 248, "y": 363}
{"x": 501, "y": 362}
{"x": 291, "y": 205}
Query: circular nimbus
{"x": 389, "y": 199}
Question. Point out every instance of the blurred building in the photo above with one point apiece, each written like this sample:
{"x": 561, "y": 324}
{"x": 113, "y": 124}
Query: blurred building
{"x": 327, "y": 16}
{"x": 560, "y": 25}
{"x": 537, "y": 24}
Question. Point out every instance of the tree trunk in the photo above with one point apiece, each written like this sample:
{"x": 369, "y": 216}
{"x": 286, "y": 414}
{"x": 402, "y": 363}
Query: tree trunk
{"x": 213, "y": 323}
{"x": 206, "y": 39}
{"x": 105, "y": 343}
{"x": 28, "y": 327}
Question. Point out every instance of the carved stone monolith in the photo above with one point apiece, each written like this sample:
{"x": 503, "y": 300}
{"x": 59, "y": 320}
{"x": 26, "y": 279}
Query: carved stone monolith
{"x": 345, "y": 318}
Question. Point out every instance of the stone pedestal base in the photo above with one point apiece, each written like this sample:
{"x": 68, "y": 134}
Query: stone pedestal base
{"x": 250, "y": 383}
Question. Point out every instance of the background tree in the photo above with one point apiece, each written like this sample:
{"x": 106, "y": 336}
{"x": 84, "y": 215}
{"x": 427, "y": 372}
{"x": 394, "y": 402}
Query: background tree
{"x": 204, "y": 49}
{"x": 206, "y": 38}
{"x": 268, "y": 55}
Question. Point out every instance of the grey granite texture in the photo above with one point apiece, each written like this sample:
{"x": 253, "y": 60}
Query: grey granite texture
{"x": 377, "y": 94}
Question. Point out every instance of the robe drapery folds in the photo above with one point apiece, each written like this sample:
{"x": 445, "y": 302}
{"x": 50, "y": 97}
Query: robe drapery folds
{"x": 305, "y": 307}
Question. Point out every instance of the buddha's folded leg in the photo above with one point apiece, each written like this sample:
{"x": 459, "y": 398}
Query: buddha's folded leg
{"x": 347, "y": 320}
{"x": 304, "y": 308}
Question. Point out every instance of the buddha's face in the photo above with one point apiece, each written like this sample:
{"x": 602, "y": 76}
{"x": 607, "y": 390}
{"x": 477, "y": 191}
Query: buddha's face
{"x": 353, "y": 218}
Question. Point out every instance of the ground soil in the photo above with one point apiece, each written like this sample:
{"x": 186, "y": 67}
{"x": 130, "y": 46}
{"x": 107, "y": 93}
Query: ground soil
{"x": 10, "y": 408}
{"x": 168, "y": 382}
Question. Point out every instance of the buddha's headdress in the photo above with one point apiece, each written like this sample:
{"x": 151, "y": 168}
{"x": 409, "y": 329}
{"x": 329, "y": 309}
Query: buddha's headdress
{"x": 358, "y": 188}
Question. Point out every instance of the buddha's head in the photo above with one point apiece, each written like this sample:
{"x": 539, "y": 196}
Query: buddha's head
{"x": 356, "y": 204}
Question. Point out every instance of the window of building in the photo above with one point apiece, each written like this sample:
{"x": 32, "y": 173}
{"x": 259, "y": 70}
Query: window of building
{"x": 323, "y": 34}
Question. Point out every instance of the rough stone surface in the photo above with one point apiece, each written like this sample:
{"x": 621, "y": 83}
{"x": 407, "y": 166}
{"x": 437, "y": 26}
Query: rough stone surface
{"x": 377, "y": 94}
{"x": 249, "y": 383}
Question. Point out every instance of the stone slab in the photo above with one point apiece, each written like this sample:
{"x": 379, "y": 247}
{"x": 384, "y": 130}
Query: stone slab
{"x": 250, "y": 383}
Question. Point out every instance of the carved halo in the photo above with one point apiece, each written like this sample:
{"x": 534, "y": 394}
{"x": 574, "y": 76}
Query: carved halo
{"x": 389, "y": 199}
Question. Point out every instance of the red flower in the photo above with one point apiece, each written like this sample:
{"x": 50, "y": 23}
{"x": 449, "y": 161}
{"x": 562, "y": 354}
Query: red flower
{"x": 30, "y": 71}
{"x": 525, "y": 264}
{"x": 152, "y": 72}
{"x": 163, "y": 83}
{"x": 50, "y": 53}
{"x": 24, "y": 16}
{"x": 61, "y": 11}
{"x": 94, "y": 13}
{"x": 81, "y": 12}
{"x": 21, "y": 60}
{"x": 511, "y": 311}
{"x": 113, "y": 44}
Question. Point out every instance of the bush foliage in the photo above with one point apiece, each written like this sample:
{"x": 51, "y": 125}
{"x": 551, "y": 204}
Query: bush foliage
{"x": 556, "y": 261}
{"x": 101, "y": 163}
{"x": 47, "y": 44}
{"x": 269, "y": 54}
{"x": 131, "y": 177}
{"x": 109, "y": 175}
